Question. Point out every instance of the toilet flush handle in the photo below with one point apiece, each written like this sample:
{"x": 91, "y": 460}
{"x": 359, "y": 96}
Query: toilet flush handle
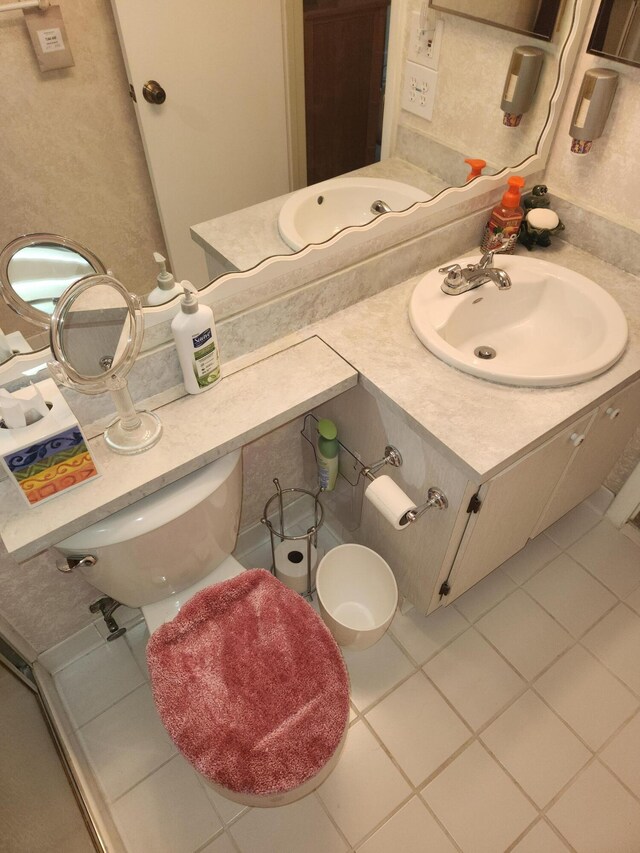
{"x": 70, "y": 563}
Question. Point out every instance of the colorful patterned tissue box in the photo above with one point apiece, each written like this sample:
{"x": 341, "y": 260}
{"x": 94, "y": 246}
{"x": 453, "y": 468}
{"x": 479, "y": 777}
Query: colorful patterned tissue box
{"x": 50, "y": 456}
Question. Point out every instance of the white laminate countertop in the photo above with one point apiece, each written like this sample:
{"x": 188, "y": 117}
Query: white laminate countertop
{"x": 196, "y": 430}
{"x": 481, "y": 426}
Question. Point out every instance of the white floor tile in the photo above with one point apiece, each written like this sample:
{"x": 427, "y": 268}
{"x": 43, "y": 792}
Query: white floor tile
{"x": 622, "y": 755}
{"x": 423, "y": 636}
{"x": 535, "y": 554}
{"x": 477, "y": 802}
{"x": 536, "y": 748}
{"x": 573, "y": 525}
{"x": 126, "y": 743}
{"x": 587, "y": 697}
{"x": 364, "y": 788}
{"x": 573, "y": 596}
{"x": 227, "y": 809}
{"x": 484, "y": 595}
{"x": 615, "y": 641}
{"x": 137, "y": 639}
{"x": 474, "y": 678}
{"x": 601, "y": 500}
{"x": 597, "y": 814}
{"x": 540, "y": 839}
{"x": 527, "y": 636}
{"x": 300, "y": 826}
{"x": 411, "y": 830}
{"x": 611, "y": 556}
{"x": 418, "y": 727}
{"x": 98, "y": 680}
{"x": 633, "y": 600}
{"x": 222, "y": 844}
{"x": 168, "y": 811}
{"x": 375, "y": 670}
{"x": 69, "y": 650}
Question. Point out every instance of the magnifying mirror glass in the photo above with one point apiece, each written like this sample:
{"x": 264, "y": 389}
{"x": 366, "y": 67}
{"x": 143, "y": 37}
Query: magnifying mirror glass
{"x": 96, "y": 334}
{"x": 36, "y": 269}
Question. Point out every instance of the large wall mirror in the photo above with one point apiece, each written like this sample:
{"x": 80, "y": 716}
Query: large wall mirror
{"x": 616, "y": 33}
{"x": 252, "y": 109}
{"x": 531, "y": 17}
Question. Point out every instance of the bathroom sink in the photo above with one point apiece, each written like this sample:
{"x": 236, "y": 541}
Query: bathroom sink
{"x": 316, "y": 213}
{"x": 552, "y": 327}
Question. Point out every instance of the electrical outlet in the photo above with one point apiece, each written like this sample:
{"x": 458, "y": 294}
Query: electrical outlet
{"x": 424, "y": 42}
{"x": 419, "y": 90}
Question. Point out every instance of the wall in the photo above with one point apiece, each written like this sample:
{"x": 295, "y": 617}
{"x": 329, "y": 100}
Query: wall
{"x": 607, "y": 180}
{"x": 467, "y": 119}
{"x": 71, "y": 158}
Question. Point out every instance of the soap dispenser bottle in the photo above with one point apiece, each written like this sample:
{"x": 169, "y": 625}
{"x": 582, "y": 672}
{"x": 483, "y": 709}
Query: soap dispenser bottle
{"x": 194, "y": 332}
{"x": 501, "y": 231}
{"x": 166, "y": 286}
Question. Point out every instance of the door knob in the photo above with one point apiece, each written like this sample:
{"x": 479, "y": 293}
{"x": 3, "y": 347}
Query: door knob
{"x": 153, "y": 92}
{"x": 576, "y": 439}
{"x": 612, "y": 413}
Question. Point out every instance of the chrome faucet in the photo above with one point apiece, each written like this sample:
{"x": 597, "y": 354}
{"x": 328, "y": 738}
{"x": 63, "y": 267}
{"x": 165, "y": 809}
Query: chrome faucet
{"x": 458, "y": 280}
{"x": 379, "y": 206}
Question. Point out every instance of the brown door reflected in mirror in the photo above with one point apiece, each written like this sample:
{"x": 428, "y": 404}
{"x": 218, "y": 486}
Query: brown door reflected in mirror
{"x": 344, "y": 49}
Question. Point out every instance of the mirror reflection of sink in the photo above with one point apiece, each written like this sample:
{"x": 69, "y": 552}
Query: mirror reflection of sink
{"x": 316, "y": 213}
{"x": 552, "y": 327}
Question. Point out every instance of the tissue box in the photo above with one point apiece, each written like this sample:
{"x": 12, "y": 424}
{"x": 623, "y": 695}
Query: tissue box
{"x": 51, "y": 455}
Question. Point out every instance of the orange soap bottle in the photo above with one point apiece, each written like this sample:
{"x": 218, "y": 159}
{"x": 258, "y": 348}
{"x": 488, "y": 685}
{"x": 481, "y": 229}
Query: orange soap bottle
{"x": 501, "y": 231}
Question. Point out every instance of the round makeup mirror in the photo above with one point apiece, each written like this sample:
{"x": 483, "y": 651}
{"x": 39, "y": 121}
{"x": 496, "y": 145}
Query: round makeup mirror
{"x": 96, "y": 335}
{"x": 36, "y": 269}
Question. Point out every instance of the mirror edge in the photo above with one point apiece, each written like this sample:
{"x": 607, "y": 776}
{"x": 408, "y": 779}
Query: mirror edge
{"x": 269, "y": 268}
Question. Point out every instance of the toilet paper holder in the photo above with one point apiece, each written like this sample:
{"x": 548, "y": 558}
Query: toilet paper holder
{"x": 354, "y": 473}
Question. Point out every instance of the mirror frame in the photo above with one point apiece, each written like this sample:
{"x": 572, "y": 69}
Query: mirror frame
{"x": 15, "y": 302}
{"x": 96, "y": 383}
{"x": 389, "y": 225}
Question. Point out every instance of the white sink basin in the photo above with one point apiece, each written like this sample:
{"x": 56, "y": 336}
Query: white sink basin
{"x": 552, "y": 327}
{"x": 316, "y": 213}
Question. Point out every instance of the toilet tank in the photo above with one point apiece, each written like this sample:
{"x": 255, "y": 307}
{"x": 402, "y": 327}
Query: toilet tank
{"x": 167, "y": 541}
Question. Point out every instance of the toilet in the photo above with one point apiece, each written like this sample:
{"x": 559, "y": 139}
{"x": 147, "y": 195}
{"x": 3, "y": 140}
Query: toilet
{"x": 246, "y": 677}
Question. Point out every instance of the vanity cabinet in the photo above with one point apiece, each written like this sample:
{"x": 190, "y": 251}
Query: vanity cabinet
{"x": 610, "y": 428}
{"x": 538, "y": 489}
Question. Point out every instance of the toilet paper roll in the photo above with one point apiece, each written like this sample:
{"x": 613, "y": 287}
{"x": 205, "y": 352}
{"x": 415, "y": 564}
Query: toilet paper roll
{"x": 291, "y": 564}
{"x": 389, "y": 499}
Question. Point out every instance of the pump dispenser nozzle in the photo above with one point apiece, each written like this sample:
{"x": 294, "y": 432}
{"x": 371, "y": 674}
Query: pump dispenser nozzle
{"x": 189, "y": 302}
{"x": 165, "y": 279}
{"x": 166, "y": 287}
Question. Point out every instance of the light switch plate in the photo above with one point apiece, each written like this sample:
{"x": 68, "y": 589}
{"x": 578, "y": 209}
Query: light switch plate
{"x": 424, "y": 44}
{"x": 419, "y": 90}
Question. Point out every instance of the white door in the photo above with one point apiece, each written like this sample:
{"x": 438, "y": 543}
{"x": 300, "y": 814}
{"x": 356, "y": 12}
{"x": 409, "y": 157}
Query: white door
{"x": 218, "y": 143}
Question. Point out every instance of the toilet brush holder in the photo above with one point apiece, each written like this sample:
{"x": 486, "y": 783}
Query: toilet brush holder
{"x": 293, "y": 556}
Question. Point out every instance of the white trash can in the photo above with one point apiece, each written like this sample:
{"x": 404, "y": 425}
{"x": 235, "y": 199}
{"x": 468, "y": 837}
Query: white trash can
{"x": 358, "y": 595}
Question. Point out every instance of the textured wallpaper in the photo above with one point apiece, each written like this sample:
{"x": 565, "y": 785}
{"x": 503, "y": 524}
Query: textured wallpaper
{"x": 71, "y": 158}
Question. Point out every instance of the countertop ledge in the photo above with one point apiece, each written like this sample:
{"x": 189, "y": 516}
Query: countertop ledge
{"x": 247, "y": 404}
{"x": 482, "y": 427}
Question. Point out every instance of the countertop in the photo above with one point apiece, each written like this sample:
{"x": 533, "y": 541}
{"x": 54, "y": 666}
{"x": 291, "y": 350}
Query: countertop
{"x": 246, "y": 237}
{"x": 481, "y": 426}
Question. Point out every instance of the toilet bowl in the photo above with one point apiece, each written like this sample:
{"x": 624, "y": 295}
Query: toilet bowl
{"x": 170, "y": 555}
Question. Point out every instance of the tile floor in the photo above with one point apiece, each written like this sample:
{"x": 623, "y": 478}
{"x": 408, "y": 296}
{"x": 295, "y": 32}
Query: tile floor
{"x": 507, "y": 721}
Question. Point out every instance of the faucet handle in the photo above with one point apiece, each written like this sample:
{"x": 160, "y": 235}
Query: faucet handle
{"x": 454, "y": 273}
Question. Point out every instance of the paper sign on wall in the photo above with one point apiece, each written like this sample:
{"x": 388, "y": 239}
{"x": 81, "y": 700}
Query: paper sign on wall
{"x": 49, "y": 38}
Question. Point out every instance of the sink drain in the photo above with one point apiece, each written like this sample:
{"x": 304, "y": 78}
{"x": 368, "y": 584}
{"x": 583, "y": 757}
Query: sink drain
{"x": 485, "y": 352}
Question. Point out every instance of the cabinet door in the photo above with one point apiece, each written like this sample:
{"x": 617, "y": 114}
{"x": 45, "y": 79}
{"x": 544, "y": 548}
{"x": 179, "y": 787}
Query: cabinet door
{"x": 511, "y": 504}
{"x": 612, "y": 427}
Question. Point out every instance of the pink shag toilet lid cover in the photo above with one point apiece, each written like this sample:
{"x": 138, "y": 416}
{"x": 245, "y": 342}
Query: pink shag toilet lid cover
{"x": 250, "y": 685}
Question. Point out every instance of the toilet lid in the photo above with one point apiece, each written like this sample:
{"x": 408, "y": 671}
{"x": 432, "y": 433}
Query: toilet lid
{"x": 250, "y": 685}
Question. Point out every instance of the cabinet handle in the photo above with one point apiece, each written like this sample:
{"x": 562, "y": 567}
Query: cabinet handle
{"x": 576, "y": 438}
{"x": 612, "y": 413}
